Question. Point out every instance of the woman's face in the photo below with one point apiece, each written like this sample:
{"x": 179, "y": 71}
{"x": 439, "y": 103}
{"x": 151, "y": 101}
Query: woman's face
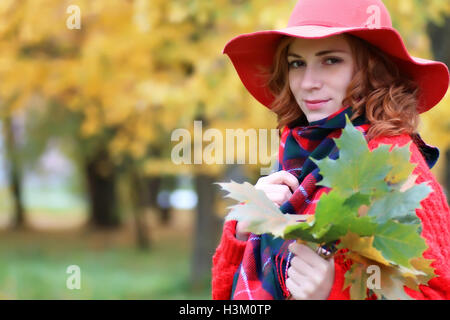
{"x": 320, "y": 71}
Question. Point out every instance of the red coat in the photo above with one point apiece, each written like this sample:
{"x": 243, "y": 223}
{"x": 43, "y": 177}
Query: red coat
{"x": 434, "y": 214}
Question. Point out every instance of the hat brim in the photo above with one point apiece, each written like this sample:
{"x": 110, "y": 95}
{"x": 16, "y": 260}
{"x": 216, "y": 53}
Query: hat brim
{"x": 249, "y": 52}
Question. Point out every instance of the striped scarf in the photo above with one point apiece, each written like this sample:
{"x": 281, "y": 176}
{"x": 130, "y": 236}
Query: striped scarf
{"x": 263, "y": 271}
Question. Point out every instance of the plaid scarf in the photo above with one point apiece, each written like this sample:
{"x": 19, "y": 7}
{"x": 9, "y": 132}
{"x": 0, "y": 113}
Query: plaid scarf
{"x": 263, "y": 271}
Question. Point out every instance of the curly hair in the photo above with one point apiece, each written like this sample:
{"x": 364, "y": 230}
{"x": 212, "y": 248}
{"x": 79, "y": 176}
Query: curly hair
{"x": 379, "y": 90}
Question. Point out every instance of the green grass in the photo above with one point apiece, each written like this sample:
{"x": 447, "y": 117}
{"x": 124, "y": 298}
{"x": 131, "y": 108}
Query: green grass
{"x": 33, "y": 266}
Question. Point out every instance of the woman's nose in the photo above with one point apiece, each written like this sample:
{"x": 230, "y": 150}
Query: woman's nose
{"x": 311, "y": 79}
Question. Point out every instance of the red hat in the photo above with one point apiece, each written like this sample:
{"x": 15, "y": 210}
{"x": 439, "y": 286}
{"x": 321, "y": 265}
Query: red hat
{"x": 313, "y": 19}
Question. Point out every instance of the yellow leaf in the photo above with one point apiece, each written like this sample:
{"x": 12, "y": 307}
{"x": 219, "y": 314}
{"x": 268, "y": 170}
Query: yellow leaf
{"x": 356, "y": 278}
{"x": 363, "y": 246}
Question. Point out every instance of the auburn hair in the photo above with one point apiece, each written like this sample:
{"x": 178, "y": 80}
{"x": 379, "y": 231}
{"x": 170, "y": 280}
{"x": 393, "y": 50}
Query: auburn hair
{"x": 378, "y": 90}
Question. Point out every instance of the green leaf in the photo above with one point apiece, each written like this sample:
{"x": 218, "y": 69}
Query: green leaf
{"x": 401, "y": 167}
{"x": 399, "y": 243}
{"x": 357, "y": 170}
{"x": 355, "y": 201}
{"x": 300, "y": 231}
{"x": 400, "y": 206}
{"x": 334, "y": 217}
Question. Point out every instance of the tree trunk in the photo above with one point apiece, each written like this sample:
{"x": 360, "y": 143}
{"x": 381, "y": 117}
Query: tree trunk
{"x": 440, "y": 41}
{"x": 440, "y": 44}
{"x": 139, "y": 196}
{"x": 207, "y": 230}
{"x": 101, "y": 181}
{"x": 15, "y": 173}
{"x": 154, "y": 185}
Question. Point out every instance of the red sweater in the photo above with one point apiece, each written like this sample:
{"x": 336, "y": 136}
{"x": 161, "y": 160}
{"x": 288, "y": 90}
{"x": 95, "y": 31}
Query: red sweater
{"x": 434, "y": 214}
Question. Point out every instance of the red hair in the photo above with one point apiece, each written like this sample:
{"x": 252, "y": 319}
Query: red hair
{"x": 378, "y": 90}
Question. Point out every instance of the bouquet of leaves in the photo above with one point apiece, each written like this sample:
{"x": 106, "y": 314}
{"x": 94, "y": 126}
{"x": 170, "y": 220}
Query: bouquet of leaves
{"x": 370, "y": 210}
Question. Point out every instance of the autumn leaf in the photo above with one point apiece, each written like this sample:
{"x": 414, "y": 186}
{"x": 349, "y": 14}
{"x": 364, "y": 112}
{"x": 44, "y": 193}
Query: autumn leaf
{"x": 392, "y": 284}
{"x": 258, "y": 209}
{"x": 392, "y": 277}
{"x": 400, "y": 206}
{"x": 334, "y": 217}
{"x": 356, "y": 278}
{"x": 362, "y": 246}
{"x": 401, "y": 167}
{"x": 398, "y": 242}
{"x": 357, "y": 170}
{"x": 427, "y": 272}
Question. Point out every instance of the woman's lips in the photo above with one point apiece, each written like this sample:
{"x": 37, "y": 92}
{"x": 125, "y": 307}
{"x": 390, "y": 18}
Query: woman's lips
{"x": 315, "y": 104}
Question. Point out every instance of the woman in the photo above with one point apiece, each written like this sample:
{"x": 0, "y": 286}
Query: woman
{"x": 335, "y": 58}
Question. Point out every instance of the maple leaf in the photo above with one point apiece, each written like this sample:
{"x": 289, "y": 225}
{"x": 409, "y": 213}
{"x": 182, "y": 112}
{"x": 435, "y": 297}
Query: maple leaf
{"x": 399, "y": 242}
{"x": 401, "y": 167}
{"x": 400, "y": 206}
{"x": 427, "y": 272}
{"x": 258, "y": 209}
{"x": 392, "y": 277}
{"x": 357, "y": 170}
{"x": 334, "y": 217}
{"x": 362, "y": 246}
{"x": 356, "y": 278}
{"x": 392, "y": 284}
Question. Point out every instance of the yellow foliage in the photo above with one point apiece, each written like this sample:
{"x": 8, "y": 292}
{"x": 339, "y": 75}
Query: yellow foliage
{"x": 146, "y": 68}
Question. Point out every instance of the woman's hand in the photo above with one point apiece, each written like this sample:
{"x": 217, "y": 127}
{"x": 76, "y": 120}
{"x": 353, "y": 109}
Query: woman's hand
{"x": 310, "y": 277}
{"x": 241, "y": 234}
{"x": 278, "y": 187}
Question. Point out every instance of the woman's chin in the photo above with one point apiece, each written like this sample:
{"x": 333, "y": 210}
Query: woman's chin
{"x": 316, "y": 116}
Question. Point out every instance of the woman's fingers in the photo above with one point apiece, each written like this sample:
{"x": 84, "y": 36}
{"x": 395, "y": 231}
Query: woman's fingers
{"x": 295, "y": 290}
{"x": 280, "y": 177}
{"x": 298, "y": 285}
{"x": 241, "y": 233}
{"x": 277, "y": 193}
{"x": 303, "y": 268}
{"x": 308, "y": 255}
{"x": 278, "y": 186}
{"x": 309, "y": 275}
{"x": 309, "y": 263}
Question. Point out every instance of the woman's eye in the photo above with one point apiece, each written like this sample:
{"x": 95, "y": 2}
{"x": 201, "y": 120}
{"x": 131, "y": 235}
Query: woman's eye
{"x": 296, "y": 64}
{"x": 332, "y": 60}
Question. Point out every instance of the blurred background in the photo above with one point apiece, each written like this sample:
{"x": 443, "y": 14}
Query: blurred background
{"x": 90, "y": 93}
